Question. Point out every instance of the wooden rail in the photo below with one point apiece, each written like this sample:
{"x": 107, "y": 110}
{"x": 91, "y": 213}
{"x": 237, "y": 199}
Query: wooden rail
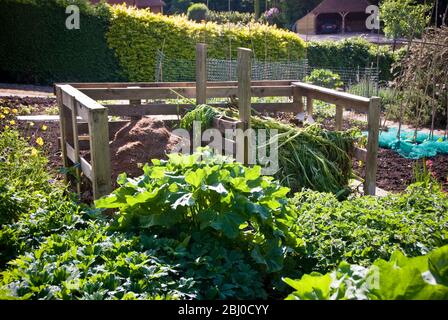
{"x": 78, "y": 99}
{"x": 73, "y": 104}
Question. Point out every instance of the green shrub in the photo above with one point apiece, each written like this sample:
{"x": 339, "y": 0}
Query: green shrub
{"x": 324, "y": 78}
{"x": 40, "y": 49}
{"x": 364, "y": 229}
{"x": 402, "y": 278}
{"x": 234, "y": 17}
{"x": 137, "y": 35}
{"x": 351, "y": 54}
{"x": 32, "y": 204}
{"x": 197, "y": 12}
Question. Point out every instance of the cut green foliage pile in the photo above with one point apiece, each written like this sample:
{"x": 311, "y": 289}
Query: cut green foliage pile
{"x": 402, "y": 278}
{"x": 308, "y": 158}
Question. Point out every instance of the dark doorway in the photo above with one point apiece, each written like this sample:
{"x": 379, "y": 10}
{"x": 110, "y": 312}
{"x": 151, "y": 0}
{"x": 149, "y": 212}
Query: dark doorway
{"x": 356, "y": 22}
{"x": 328, "y": 23}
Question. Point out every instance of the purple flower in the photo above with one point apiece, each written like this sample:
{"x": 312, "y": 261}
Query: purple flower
{"x": 272, "y": 12}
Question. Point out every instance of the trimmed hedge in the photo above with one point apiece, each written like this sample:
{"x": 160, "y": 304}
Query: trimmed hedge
{"x": 136, "y": 35}
{"x": 119, "y": 43}
{"x": 352, "y": 53}
{"x": 36, "y": 47}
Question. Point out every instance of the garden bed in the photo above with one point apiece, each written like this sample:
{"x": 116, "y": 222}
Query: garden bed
{"x": 394, "y": 172}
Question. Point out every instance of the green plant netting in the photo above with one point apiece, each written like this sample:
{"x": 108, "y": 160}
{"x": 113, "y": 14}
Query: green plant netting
{"x": 413, "y": 146}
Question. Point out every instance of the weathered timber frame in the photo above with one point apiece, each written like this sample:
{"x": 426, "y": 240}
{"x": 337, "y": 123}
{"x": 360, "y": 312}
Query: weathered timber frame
{"x": 80, "y": 113}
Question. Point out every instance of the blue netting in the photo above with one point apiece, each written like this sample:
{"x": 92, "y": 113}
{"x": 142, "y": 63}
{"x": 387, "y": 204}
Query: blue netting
{"x": 421, "y": 147}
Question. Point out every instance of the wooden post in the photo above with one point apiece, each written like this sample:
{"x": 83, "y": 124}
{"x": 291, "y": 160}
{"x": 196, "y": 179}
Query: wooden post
{"x": 76, "y": 145}
{"x": 100, "y": 153}
{"x": 135, "y": 104}
{"x": 244, "y": 93}
{"x": 339, "y": 117}
{"x": 201, "y": 73}
{"x": 298, "y": 100}
{"x": 372, "y": 145}
{"x": 309, "y": 106}
{"x": 65, "y": 124}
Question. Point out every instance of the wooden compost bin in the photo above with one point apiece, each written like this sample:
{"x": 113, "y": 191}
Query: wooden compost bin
{"x": 81, "y": 114}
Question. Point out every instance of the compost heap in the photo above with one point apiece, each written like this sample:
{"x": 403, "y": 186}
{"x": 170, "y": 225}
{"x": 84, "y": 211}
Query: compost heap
{"x": 311, "y": 157}
{"x": 137, "y": 143}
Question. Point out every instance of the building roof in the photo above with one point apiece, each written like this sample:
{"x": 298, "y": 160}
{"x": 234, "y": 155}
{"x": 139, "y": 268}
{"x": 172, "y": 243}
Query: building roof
{"x": 335, "y": 6}
{"x": 137, "y": 3}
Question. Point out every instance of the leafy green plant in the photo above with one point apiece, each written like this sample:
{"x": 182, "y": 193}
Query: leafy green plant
{"x": 324, "y": 78}
{"x": 361, "y": 230}
{"x": 216, "y": 196}
{"x": 95, "y": 265}
{"x": 202, "y": 113}
{"x": 400, "y": 278}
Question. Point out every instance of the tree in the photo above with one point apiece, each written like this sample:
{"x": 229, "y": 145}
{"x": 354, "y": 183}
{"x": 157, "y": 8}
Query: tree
{"x": 404, "y": 18}
{"x": 197, "y": 12}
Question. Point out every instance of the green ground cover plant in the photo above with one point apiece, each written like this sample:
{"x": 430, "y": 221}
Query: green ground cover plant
{"x": 32, "y": 203}
{"x": 206, "y": 227}
{"x": 400, "y": 278}
{"x": 363, "y": 229}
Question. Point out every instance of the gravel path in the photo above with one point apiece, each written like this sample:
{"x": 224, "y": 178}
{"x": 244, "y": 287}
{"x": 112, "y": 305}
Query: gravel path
{"x": 20, "y": 90}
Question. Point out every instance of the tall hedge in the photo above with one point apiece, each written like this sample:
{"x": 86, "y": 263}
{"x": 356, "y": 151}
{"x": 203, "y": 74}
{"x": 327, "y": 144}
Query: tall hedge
{"x": 136, "y": 35}
{"x": 351, "y": 54}
{"x": 36, "y": 46}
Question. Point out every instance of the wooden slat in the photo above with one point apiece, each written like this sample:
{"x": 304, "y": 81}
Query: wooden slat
{"x": 110, "y": 85}
{"x": 62, "y": 125}
{"x": 360, "y": 154}
{"x": 147, "y": 109}
{"x": 86, "y": 168}
{"x": 178, "y": 92}
{"x": 85, "y": 102}
{"x": 139, "y": 93}
{"x": 223, "y": 124}
{"x": 85, "y": 165}
{"x": 275, "y": 107}
{"x": 343, "y": 99}
{"x": 114, "y": 126}
{"x": 173, "y": 109}
{"x": 76, "y": 144}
